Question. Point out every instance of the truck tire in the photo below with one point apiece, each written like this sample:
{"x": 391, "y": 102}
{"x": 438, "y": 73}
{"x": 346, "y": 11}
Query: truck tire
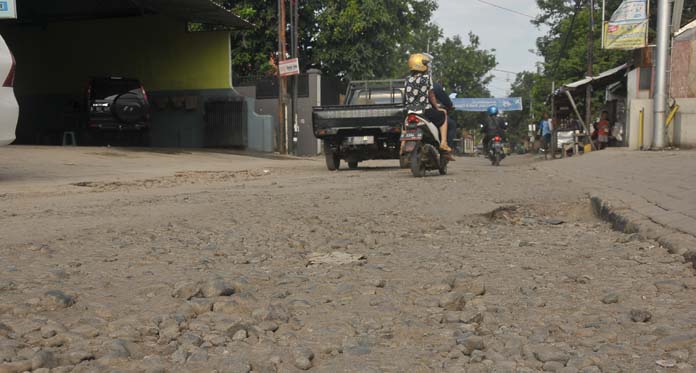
{"x": 353, "y": 165}
{"x": 333, "y": 161}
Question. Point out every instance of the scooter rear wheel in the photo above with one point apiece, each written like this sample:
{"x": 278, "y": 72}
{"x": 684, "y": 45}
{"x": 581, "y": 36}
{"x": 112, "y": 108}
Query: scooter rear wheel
{"x": 417, "y": 165}
{"x": 404, "y": 161}
{"x": 443, "y": 165}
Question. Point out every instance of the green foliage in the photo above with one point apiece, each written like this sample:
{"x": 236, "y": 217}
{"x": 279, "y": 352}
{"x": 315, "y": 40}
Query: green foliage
{"x": 361, "y": 39}
{"x": 564, "y": 65}
{"x": 464, "y": 69}
{"x": 252, "y": 50}
{"x": 527, "y": 85}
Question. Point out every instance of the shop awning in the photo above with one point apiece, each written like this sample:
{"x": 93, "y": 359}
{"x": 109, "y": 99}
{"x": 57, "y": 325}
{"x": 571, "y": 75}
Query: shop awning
{"x": 602, "y": 80}
{"x": 203, "y": 11}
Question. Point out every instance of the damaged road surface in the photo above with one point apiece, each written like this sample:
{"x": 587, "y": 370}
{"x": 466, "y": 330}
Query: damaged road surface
{"x": 292, "y": 268}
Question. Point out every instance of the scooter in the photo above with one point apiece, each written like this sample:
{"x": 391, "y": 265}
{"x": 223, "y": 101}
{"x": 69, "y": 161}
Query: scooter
{"x": 421, "y": 146}
{"x": 495, "y": 150}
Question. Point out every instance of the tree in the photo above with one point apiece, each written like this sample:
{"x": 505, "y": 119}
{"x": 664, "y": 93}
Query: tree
{"x": 464, "y": 69}
{"x": 564, "y": 47}
{"x": 360, "y": 39}
{"x": 525, "y": 86}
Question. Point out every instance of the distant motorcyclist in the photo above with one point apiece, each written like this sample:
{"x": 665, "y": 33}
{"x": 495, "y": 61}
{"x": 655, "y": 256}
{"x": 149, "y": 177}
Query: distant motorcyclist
{"x": 420, "y": 97}
{"x": 492, "y": 126}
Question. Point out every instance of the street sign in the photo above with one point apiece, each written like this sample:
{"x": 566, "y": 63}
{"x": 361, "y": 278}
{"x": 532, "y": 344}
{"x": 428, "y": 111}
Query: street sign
{"x": 482, "y": 104}
{"x": 8, "y": 9}
{"x": 289, "y": 67}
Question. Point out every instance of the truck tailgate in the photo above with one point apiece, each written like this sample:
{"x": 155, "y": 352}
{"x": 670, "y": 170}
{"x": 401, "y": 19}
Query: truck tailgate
{"x": 328, "y": 120}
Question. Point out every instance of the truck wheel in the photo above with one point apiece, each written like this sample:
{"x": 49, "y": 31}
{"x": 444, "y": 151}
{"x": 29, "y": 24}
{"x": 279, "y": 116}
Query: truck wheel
{"x": 353, "y": 165}
{"x": 333, "y": 161}
{"x": 417, "y": 165}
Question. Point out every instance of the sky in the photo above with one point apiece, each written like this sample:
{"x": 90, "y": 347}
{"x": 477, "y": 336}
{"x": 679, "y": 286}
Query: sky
{"x": 510, "y": 34}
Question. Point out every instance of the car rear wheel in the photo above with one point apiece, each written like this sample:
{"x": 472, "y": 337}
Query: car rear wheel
{"x": 353, "y": 165}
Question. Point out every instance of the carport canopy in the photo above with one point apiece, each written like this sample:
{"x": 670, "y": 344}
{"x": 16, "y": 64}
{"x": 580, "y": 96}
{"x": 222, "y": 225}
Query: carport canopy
{"x": 200, "y": 11}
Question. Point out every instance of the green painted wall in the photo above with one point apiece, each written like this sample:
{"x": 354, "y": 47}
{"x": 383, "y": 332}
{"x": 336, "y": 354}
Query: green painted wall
{"x": 59, "y": 58}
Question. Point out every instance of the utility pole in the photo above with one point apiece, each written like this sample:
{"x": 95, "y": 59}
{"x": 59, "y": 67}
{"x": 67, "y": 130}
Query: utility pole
{"x": 590, "y": 61}
{"x": 660, "y": 99}
{"x": 294, "y": 6}
{"x": 282, "y": 82}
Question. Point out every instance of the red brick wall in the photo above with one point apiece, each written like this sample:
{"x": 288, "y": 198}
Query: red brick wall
{"x": 683, "y": 69}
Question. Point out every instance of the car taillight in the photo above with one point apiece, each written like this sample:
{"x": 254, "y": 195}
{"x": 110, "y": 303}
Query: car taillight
{"x": 412, "y": 118}
{"x": 9, "y": 80}
{"x": 497, "y": 138}
{"x": 144, "y": 94}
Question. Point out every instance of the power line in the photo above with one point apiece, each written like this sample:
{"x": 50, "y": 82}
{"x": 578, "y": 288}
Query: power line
{"x": 567, "y": 37}
{"x": 505, "y": 71}
{"x": 506, "y": 9}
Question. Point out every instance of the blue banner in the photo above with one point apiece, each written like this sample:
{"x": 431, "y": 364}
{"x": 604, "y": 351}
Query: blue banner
{"x": 7, "y": 9}
{"x": 482, "y": 104}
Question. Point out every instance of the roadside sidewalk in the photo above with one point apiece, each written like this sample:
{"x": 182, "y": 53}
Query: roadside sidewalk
{"x": 41, "y": 168}
{"x": 651, "y": 193}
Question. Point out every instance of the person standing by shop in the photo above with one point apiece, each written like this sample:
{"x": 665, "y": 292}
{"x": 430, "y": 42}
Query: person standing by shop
{"x": 603, "y": 131}
{"x": 545, "y": 132}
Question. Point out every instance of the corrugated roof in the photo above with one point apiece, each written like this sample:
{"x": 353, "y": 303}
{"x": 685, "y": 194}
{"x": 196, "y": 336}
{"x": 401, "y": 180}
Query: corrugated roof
{"x": 605, "y": 78}
{"x": 685, "y": 29}
{"x": 203, "y": 11}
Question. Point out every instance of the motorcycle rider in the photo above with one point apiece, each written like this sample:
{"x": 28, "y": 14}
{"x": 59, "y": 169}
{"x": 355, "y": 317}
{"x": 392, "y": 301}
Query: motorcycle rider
{"x": 492, "y": 127}
{"x": 420, "y": 97}
{"x": 446, "y": 102}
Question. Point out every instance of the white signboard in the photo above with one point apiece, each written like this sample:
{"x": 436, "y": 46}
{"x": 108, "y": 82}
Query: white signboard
{"x": 8, "y": 9}
{"x": 630, "y": 11}
{"x": 628, "y": 27}
{"x": 288, "y": 67}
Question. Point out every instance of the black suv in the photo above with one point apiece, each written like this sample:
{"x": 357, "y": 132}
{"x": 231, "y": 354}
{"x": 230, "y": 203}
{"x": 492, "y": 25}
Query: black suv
{"x": 118, "y": 112}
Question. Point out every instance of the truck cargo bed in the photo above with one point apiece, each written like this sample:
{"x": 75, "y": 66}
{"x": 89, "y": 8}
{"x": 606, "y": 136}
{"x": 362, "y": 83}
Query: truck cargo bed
{"x": 329, "y": 120}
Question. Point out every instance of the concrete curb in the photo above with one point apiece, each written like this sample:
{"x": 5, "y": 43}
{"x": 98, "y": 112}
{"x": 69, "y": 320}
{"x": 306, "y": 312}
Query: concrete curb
{"x": 623, "y": 219}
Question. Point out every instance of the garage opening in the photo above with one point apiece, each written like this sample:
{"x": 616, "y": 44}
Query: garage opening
{"x": 125, "y": 72}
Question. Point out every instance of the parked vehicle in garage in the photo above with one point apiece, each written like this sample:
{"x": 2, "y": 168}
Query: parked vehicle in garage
{"x": 367, "y": 127}
{"x": 9, "y": 109}
{"x": 118, "y": 111}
